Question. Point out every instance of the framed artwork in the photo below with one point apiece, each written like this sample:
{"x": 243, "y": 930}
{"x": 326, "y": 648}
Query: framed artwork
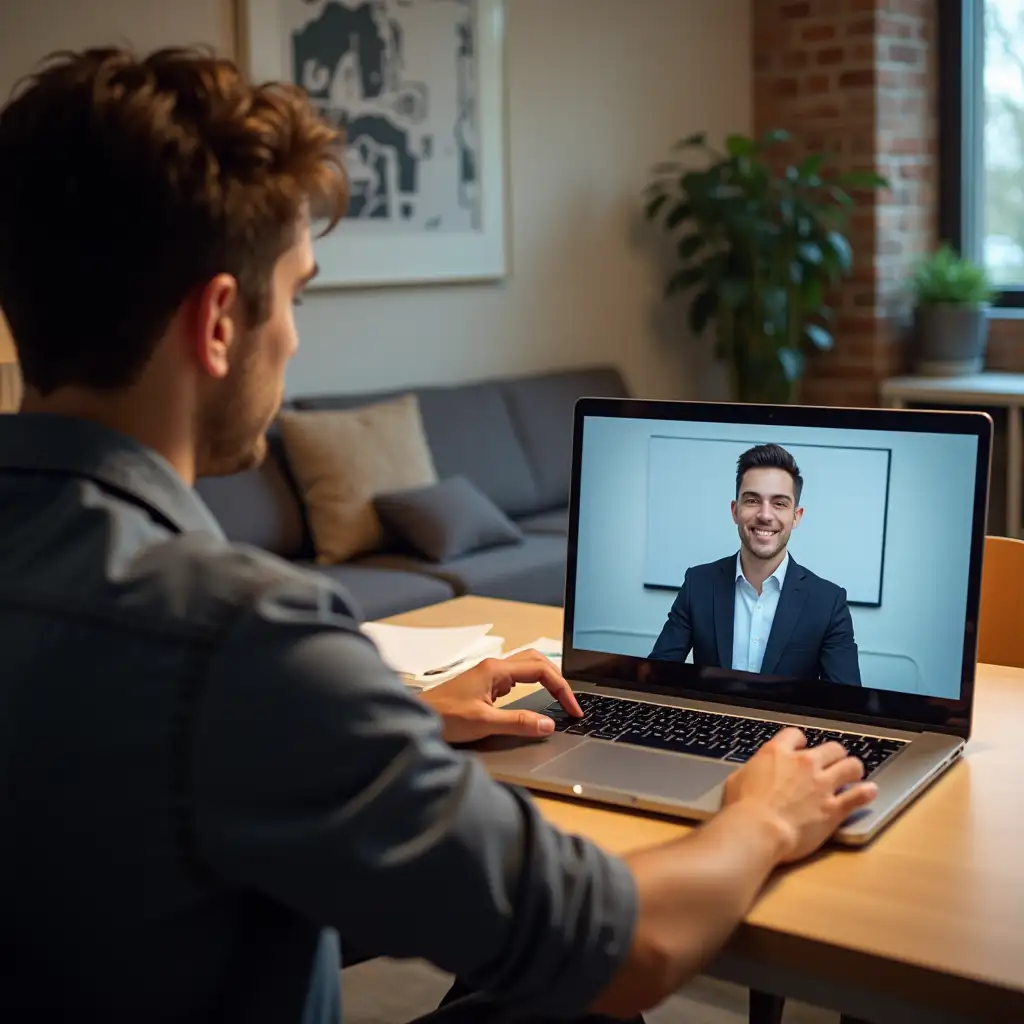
{"x": 418, "y": 87}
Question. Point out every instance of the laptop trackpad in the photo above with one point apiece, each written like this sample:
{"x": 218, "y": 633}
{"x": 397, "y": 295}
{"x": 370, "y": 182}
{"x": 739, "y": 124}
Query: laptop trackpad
{"x": 643, "y": 772}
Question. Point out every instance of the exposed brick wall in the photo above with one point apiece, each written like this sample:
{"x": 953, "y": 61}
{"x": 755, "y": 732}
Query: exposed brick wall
{"x": 856, "y": 78}
{"x": 1006, "y": 345}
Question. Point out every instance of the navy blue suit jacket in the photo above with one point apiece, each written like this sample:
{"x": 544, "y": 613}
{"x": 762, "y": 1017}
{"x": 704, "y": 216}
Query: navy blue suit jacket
{"x": 811, "y": 637}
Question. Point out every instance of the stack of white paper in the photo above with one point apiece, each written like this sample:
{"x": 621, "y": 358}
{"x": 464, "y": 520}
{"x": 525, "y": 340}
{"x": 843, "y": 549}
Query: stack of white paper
{"x": 430, "y": 656}
{"x": 426, "y": 657}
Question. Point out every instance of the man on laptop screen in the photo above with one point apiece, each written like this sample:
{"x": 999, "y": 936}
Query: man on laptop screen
{"x": 758, "y": 610}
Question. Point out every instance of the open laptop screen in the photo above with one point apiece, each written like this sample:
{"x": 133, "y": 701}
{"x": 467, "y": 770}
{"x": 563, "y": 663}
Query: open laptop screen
{"x": 830, "y": 564}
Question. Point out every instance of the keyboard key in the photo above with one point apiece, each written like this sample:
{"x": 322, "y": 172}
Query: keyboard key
{"x": 560, "y": 716}
{"x": 606, "y": 733}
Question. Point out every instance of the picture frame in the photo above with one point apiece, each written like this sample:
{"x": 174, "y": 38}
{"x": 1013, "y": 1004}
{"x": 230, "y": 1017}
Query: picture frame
{"x": 418, "y": 86}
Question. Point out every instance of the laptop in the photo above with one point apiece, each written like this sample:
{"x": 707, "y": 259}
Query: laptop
{"x": 833, "y": 587}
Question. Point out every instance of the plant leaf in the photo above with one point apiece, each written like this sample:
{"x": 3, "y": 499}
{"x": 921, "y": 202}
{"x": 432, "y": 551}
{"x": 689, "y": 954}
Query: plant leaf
{"x": 739, "y": 145}
{"x": 819, "y": 337}
{"x": 810, "y": 252}
{"x": 701, "y": 311}
{"x": 863, "y": 180}
{"x": 655, "y": 205}
{"x": 842, "y": 197}
{"x": 792, "y": 362}
{"x": 683, "y": 279}
{"x": 812, "y": 165}
{"x": 734, "y": 291}
{"x": 696, "y": 139}
{"x": 841, "y": 248}
{"x": 679, "y": 213}
{"x": 774, "y": 136}
{"x": 726, "y": 193}
{"x": 690, "y": 246}
{"x": 810, "y": 295}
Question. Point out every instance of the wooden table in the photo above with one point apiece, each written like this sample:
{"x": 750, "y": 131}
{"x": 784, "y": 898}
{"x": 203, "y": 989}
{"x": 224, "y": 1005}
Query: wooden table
{"x": 925, "y": 925}
{"x": 977, "y": 391}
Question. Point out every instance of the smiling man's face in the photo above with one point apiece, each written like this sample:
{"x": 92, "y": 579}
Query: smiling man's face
{"x": 765, "y": 512}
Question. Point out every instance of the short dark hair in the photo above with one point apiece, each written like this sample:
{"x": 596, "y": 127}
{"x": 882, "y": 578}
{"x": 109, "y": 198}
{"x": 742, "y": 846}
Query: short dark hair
{"x": 769, "y": 456}
{"x": 126, "y": 182}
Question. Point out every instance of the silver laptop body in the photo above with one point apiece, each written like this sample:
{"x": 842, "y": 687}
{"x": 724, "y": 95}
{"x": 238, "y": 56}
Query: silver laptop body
{"x": 646, "y": 494}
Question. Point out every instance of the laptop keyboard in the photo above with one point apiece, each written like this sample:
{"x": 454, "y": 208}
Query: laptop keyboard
{"x": 704, "y": 733}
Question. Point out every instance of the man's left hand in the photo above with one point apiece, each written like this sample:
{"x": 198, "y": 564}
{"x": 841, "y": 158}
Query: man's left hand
{"x": 466, "y": 703}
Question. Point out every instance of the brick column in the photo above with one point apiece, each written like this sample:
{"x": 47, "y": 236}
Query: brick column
{"x": 855, "y": 78}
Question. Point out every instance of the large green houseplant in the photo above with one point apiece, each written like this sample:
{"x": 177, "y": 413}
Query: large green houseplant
{"x": 759, "y": 246}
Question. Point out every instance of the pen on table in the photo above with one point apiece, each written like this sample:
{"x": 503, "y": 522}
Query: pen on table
{"x": 455, "y": 664}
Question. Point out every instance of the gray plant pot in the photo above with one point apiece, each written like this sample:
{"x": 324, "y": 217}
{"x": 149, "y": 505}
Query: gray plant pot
{"x": 951, "y": 340}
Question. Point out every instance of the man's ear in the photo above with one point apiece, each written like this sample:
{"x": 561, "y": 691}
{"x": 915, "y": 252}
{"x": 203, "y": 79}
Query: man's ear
{"x": 732, "y": 509}
{"x": 217, "y": 307}
{"x": 797, "y": 516}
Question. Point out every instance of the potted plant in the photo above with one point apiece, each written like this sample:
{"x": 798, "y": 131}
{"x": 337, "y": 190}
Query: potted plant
{"x": 952, "y": 296}
{"x": 758, "y": 249}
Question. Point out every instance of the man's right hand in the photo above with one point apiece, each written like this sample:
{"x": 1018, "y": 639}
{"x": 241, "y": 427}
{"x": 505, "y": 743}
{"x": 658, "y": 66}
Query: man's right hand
{"x": 780, "y": 806}
{"x": 810, "y": 791}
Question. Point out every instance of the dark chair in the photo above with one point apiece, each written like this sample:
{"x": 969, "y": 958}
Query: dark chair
{"x": 766, "y": 1008}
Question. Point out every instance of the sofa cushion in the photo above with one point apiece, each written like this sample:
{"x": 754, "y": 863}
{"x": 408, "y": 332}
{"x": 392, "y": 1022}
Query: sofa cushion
{"x": 533, "y": 570}
{"x": 542, "y": 409}
{"x": 260, "y": 506}
{"x": 446, "y": 520}
{"x": 470, "y": 432}
{"x": 556, "y": 522}
{"x": 378, "y": 593}
{"x": 342, "y": 459}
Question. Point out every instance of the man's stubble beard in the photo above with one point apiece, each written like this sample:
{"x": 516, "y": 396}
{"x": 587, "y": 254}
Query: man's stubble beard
{"x": 775, "y": 552}
{"x": 232, "y": 430}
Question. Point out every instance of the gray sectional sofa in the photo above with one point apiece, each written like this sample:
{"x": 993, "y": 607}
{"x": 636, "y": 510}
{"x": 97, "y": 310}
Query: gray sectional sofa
{"x": 511, "y": 437}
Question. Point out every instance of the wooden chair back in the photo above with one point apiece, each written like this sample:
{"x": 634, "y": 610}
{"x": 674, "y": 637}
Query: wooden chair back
{"x": 1001, "y": 618}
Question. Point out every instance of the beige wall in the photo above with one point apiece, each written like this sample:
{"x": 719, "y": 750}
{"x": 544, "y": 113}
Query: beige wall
{"x": 597, "y": 91}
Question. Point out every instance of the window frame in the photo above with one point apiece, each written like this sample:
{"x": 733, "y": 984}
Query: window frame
{"x": 961, "y": 114}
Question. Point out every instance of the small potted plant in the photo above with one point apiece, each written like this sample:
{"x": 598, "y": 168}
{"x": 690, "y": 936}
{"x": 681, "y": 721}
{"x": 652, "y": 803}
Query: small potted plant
{"x": 952, "y": 295}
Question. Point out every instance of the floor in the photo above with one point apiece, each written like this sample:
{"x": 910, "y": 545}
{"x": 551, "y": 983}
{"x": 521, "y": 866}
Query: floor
{"x": 392, "y": 992}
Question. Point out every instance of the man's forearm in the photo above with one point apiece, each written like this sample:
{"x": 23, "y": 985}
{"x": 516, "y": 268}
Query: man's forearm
{"x": 692, "y": 893}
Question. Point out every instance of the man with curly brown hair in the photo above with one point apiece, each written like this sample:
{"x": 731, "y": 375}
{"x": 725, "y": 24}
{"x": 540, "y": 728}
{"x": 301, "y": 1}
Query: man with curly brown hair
{"x": 206, "y": 771}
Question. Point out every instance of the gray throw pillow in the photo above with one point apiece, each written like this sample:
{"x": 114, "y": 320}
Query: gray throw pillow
{"x": 446, "y": 519}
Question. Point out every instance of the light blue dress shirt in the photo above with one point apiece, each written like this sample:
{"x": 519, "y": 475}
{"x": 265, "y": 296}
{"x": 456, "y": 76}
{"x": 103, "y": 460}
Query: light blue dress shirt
{"x": 753, "y": 615}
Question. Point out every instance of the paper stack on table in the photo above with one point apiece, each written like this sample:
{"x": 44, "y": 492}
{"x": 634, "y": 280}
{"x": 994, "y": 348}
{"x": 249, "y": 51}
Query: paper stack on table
{"x": 425, "y": 657}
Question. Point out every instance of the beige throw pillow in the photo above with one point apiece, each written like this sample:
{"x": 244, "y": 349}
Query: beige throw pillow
{"x": 342, "y": 460}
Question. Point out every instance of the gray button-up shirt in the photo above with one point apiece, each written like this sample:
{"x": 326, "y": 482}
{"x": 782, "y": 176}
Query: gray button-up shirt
{"x": 206, "y": 773}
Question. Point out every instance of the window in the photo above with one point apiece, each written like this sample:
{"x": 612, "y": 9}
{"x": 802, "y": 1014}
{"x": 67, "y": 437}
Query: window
{"x": 981, "y": 136}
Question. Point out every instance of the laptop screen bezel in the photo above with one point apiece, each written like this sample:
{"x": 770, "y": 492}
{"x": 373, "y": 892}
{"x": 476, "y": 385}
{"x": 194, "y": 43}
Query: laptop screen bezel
{"x": 886, "y": 708}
